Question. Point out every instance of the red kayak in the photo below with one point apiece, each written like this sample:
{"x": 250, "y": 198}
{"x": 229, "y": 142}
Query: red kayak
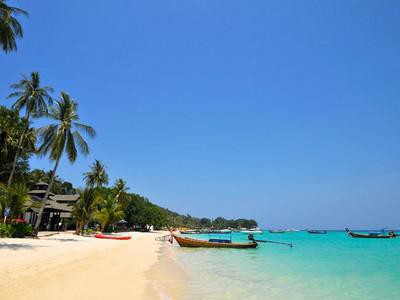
{"x": 112, "y": 237}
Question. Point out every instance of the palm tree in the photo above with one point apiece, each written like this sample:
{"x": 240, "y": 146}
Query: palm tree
{"x": 120, "y": 188}
{"x": 110, "y": 213}
{"x": 17, "y": 198}
{"x": 85, "y": 209}
{"x": 10, "y": 28}
{"x": 62, "y": 137}
{"x": 34, "y": 99}
{"x": 97, "y": 176}
{"x": 11, "y": 129}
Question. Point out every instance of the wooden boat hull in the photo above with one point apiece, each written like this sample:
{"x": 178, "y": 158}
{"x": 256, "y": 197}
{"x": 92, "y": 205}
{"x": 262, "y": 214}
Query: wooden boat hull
{"x": 192, "y": 243}
{"x": 366, "y": 236}
{"x": 317, "y": 231}
{"x": 112, "y": 237}
{"x": 276, "y": 231}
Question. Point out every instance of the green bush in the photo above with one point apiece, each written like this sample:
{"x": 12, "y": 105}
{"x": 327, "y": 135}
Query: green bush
{"x": 88, "y": 231}
{"x": 5, "y": 230}
{"x": 15, "y": 230}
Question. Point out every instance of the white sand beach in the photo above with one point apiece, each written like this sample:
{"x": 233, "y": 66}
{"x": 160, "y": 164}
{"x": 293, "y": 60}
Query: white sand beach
{"x": 66, "y": 266}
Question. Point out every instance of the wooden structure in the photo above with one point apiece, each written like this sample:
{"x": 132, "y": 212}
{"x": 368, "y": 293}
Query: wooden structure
{"x": 57, "y": 209}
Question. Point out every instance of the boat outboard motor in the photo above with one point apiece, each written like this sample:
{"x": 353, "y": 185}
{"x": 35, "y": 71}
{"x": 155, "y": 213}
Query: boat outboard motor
{"x": 251, "y": 237}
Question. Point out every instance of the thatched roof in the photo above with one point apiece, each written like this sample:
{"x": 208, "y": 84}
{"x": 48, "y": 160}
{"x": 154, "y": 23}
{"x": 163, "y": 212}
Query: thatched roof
{"x": 51, "y": 205}
{"x": 40, "y": 192}
{"x": 65, "y": 198}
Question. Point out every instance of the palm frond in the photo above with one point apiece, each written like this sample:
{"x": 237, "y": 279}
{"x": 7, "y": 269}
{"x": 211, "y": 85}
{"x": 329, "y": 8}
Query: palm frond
{"x": 90, "y": 131}
{"x": 83, "y": 146}
{"x": 71, "y": 149}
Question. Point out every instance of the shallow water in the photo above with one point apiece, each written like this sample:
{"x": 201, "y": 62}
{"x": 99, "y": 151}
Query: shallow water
{"x": 329, "y": 266}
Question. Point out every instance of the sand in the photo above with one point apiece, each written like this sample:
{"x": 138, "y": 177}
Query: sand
{"x": 65, "y": 266}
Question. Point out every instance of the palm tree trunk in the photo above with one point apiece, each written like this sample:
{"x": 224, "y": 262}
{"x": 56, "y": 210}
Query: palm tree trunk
{"x": 79, "y": 227}
{"x": 46, "y": 196}
{"x": 117, "y": 196}
{"x": 21, "y": 138}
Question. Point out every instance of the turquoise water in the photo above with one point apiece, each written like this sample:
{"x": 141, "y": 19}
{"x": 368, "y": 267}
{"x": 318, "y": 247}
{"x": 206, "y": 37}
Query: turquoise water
{"x": 331, "y": 266}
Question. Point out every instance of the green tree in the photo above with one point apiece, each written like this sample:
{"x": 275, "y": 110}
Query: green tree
{"x": 110, "y": 213}
{"x": 3, "y": 199}
{"x": 140, "y": 211}
{"x": 11, "y": 129}
{"x": 34, "y": 99}
{"x": 15, "y": 198}
{"x": 17, "y": 195}
{"x": 97, "y": 176}
{"x": 120, "y": 189}
{"x": 205, "y": 222}
{"x": 10, "y": 28}
{"x": 85, "y": 209}
{"x": 62, "y": 137}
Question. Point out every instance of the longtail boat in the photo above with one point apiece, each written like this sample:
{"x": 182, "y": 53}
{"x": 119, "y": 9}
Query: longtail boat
{"x": 213, "y": 243}
{"x": 277, "y": 231}
{"x": 371, "y": 235}
{"x": 317, "y": 231}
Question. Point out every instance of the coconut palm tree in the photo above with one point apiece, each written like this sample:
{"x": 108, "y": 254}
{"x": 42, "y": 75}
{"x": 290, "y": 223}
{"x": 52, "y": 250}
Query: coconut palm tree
{"x": 97, "y": 176}
{"x": 110, "y": 213}
{"x": 62, "y": 137}
{"x": 34, "y": 99}
{"x": 10, "y": 28}
{"x": 120, "y": 188}
{"x": 85, "y": 209}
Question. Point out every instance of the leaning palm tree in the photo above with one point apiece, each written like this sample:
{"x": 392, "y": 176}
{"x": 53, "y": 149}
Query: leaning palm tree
{"x": 11, "y": 129}
{"x": 86, "y": 208}
{"x": 10, "y": 28}
{"x": 62, "y": 137}
{"x": 97, "y": 176}
{"x": 34, "y": 99}
{"x": 120, "y": 188}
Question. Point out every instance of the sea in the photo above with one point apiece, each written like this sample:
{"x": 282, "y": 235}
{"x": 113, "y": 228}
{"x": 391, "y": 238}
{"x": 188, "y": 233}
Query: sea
{"x": 318, "y": 266}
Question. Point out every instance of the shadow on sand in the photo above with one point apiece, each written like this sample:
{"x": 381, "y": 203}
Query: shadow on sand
{"x": 17, "y": 246}
{"x": 64, "y": 240}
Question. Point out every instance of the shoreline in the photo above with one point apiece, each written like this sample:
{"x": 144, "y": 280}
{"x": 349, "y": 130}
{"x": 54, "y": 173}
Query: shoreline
{"x": 167, "y": 277}
{"x": 65, "y": 266}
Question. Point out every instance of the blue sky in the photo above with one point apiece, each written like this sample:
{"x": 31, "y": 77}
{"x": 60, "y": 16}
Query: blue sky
{"x": 283, "y": 111}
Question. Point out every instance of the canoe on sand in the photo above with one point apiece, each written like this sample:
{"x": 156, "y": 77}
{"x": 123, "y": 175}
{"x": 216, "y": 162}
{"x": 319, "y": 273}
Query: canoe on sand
{"x": 112, "y": 237}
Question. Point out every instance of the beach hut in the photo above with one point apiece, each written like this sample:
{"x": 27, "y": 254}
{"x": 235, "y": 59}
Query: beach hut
{"x": 57, "y": 210}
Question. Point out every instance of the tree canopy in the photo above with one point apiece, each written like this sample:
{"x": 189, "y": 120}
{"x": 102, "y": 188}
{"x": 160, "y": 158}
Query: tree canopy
{"x": 10, "y": 28}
